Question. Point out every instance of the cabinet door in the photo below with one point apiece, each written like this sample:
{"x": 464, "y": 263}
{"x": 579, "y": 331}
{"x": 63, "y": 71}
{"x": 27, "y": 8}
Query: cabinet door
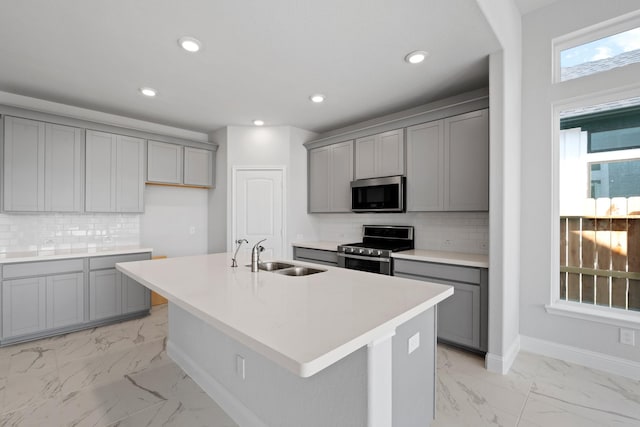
{"x": 425, "y": 167}
{"x": 129, "y": 174}
{"x": 135, "y": 297}
{"x": 164, "y": 162}
{"x": 319, "y": 159}
{"x": 366, "y": 157}
{"x": 63, "y": 169}
{"x": 23, "y": 306}
{"x": 65, "y": 300}
{"x": 105, "y": 294}
{"x": 467, "y": 162}
{"x": 23, "y": 165}
{"x": 198, "y": 167}
{"x": 100, "y": 181}
{"x": 340, "y": 176}
{"x": 390, "y": 153}
{"x": 459, "y": 315}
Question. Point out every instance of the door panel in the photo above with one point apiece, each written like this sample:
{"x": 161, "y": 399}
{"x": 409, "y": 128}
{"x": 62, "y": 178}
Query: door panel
{"x": 65, "y": 300}
{"x": 258, "y": 210}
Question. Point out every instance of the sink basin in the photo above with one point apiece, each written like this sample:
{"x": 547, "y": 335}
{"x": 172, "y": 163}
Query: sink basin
{"x": 299, "y": 271}
{"x": 273, "y": 265}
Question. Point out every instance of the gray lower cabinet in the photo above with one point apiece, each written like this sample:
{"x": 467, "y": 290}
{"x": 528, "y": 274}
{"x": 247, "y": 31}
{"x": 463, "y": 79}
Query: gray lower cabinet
{"x": 44, "y": 298}
{"x": 42, "y": 167}
{"x": 115, "y": 172}
{"x": 113, "y": 294}
{"x": 463, "y": 317}
{"x": 317, "y": 256}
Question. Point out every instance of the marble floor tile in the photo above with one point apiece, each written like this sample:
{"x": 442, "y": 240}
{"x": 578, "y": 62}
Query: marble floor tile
{"x": 106, "y": 404}
{"x": 95, "y": 371}
{"x": 190, "y": 409}
{"x": 29, "y": 389}
{"x": 43, "y": 413}
{"x": 168, "y": 381}
{"x": 32, "y": 358}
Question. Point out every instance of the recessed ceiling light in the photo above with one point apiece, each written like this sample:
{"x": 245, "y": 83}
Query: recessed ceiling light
{"x": 317, "y": 98}
{"x": 258, "y": 122}
{"x": 416, "y": 57}
{"x": 147, "y": 91}
{"x": 190, "y": 44}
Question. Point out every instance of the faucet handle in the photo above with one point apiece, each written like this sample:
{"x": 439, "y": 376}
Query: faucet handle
{"x": 261, "y": 248}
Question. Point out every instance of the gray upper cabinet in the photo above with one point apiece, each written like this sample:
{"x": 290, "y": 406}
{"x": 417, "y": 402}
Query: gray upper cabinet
{"x": 425, "y": 167}
{"x": 448, "y": 164}
{"x": 198, "y": 167}
{"x": 466, "y": 160}
{"x": 114, "y": 173}
{"x": 330, "y": 176}
{"x": 380, "y": 155}
{"x": 42, "y": 167}
{"x": 164, "y": 162}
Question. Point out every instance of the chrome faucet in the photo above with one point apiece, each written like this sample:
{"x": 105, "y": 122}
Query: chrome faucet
{"x": 239, "y": 242}
{"x": 255, "y": 256}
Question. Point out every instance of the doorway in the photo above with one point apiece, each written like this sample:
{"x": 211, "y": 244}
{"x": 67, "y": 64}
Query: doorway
{"x": 258, "y": 200}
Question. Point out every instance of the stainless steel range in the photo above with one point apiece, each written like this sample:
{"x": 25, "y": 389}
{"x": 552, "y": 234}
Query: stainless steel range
{"x": 374, "y": 252}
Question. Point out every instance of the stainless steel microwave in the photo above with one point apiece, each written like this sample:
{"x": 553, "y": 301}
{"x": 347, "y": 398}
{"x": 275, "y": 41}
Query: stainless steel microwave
{"x": 385, "y": 194}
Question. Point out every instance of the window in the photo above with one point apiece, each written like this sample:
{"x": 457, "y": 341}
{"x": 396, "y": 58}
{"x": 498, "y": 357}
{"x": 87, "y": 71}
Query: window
{"x": 599, "y": 178}
{"x": 597, "y": 49}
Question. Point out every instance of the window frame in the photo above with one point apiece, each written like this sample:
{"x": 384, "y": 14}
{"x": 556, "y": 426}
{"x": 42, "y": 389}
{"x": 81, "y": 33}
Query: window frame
{"x": 588, "y": 35}
{"x": 601, "y": 314}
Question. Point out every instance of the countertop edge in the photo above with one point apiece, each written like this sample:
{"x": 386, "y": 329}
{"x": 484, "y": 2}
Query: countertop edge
{"x": 88, "y": 254}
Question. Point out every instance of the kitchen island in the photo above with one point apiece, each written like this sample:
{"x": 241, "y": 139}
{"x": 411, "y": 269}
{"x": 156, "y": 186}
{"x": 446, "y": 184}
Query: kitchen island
{"x": 339, "y": 347}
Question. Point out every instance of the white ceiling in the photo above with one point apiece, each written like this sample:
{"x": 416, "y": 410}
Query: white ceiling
{"x": 261, "y": 59}
{"x": 526, "y": 6}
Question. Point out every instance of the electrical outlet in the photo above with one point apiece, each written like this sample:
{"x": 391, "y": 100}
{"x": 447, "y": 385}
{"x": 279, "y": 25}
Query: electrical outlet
{"x": 192, "y": 230}
{"x": 447, "y": 243}
{"x": 414, "y": 342}
{"x": 240, "y": 366}
{"x": 627, "y": 336}
{"x": 484, "y": 245}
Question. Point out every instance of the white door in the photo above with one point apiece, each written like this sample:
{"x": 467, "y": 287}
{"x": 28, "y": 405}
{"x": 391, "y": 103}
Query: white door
{"x": 258, "y": 210}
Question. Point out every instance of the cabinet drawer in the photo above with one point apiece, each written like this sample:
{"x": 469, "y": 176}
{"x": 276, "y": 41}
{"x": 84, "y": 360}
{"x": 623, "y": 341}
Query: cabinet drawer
{"x": 41, "y": 268}
{"x": 103, "y": 262}
{"x": 305, "y": 254}
{"x": 439, "y": 271}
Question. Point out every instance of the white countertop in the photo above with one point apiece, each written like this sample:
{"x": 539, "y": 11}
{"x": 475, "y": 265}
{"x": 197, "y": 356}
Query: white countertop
{"x": 304, "y": 324}
{"x": 457, "y": 258}
{"x": 12, "y": 257}
{"x": 323, "y": 245}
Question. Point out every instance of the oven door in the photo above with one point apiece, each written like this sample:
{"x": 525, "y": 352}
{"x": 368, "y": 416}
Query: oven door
{"x": 365, "y": 263}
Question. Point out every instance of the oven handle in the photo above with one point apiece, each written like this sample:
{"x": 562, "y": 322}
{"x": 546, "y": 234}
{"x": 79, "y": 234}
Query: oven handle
{"x": 366, "y": 258}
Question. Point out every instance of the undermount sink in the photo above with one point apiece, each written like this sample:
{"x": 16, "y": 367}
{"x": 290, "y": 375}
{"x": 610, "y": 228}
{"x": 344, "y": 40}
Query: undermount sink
{"x": 300, "y": 271}
{"x": 273, "y": 265}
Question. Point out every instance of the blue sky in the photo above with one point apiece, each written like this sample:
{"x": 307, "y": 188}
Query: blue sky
{"x": 601, "y": 49}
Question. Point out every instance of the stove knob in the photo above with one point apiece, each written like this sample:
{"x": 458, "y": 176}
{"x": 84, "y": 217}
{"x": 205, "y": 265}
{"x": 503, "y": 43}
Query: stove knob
{"x": 360, "y": 251}
{"x": 370, "y": 251}
{"x": 347, "y": 250}
{"x": 377, "y": 252}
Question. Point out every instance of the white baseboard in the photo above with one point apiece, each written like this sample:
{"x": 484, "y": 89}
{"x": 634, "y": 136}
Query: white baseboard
{"x": 590, "y": 359}
{"x": 228, "y": 402}
{"x": 502, "y": 364}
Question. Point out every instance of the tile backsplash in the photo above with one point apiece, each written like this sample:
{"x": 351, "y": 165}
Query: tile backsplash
{"x": 446, "y": 231}
{"x": 40, "y": 232}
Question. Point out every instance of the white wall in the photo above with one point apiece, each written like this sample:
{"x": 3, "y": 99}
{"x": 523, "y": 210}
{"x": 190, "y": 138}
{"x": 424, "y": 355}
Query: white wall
{"x": 505, "y": 87}
{"x": 268, "y": 146}
{"x": 174, "y": 222}
{"x": 539, "y": 28}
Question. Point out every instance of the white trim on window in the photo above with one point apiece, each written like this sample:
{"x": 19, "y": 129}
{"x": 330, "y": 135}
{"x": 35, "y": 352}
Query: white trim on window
{"x": 589, "y": 34}
{"x": 593, "y": 313}
{"x": 555, "y": 305}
